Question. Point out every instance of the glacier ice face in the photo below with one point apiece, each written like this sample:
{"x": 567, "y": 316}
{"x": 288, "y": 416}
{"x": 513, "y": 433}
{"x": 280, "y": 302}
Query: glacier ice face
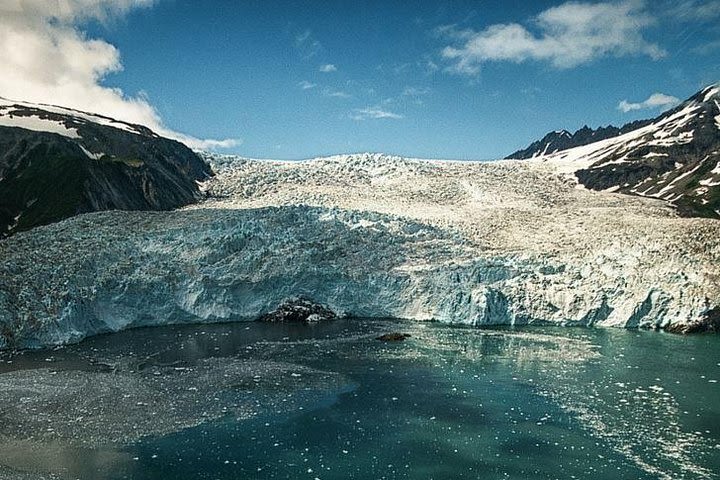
{"x": 370, "y": 236}
{"x": 107, "y": 272}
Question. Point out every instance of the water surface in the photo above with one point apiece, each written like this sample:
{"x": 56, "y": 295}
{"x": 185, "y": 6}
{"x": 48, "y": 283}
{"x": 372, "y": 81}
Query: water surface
{"x": 329, "y": 401}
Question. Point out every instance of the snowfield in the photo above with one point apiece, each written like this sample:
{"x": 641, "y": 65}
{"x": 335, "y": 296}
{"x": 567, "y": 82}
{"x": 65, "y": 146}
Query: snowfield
{"x": 32, "y": 116}
{"x": 506, "y": 242}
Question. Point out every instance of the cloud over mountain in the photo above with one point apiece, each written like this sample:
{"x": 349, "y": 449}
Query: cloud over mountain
{"x": 48, "y": 58}
{"x": 656, "y": 100}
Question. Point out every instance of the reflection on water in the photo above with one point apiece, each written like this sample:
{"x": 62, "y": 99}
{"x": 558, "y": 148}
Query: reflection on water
{"x": 329, "y": 401}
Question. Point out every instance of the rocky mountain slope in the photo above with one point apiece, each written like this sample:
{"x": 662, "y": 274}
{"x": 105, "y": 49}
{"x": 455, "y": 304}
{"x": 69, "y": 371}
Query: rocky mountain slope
{"x": 507, "y": 242}
{"x": 56, "y": 163}
{"x": 675, "y": 157}
{"x": 559, "y": 140}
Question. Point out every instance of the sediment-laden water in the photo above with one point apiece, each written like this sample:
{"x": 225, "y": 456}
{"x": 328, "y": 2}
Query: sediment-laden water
{"x": 329, "y": 401}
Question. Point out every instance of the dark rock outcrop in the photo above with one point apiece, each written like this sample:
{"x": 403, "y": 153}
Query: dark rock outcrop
{"x": 299, "y": 310}
{"x": 393, "y": 337}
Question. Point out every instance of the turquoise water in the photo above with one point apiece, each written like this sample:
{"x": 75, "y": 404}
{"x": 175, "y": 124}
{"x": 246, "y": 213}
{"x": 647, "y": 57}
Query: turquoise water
{"x": 449, "y": 402}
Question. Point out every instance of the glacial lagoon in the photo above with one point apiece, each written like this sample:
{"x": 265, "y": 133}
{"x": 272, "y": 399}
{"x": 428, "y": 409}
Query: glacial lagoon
{"x": 330, "y": 401}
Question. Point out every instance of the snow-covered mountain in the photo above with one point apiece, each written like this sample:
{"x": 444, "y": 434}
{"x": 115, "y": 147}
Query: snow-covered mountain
{"x": 507, "y": 242}
{"x": 560, "y": 140}
{"x": 57, "y": 162}
{"x": 675, "y": 157}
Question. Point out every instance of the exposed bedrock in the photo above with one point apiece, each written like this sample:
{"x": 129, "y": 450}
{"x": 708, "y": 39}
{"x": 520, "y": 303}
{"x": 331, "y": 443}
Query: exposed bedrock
{"x": 110, "y": 271}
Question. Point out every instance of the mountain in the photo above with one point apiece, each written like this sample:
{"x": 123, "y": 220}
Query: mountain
{"x": 674, "y": 157}
{"x": 562, "y": 139}
{"x": 56, "y": 162}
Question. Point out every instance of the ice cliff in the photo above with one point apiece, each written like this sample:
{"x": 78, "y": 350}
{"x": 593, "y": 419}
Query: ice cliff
{"x": 369, "y": 235}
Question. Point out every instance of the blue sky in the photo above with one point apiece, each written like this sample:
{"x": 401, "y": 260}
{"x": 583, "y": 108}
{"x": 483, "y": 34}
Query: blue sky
{"x": 460, "y": 79}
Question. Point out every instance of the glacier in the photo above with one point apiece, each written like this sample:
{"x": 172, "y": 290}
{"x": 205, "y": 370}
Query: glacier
{"x": 368, "y": 235}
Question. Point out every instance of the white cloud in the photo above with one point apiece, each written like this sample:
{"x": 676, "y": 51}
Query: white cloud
{"x": 695, "y": 10}
{"x": 46, "y": 58}
{"x": 565, "y": 36}
{"x": 203, "y": 143}
{"x": 305, "y": 85}
{"x": 415, "y": 91}
{"x": 453, "y": 32}
{"x": 336, "y": 93}
{"x": 307, "y": 45}
{"x": 656, "y": 100}
{"x": 328, "y": 68}
{"x": 707, "y": 48}
{"x": 431, "y": 67}
{"x": 71, "y": 10}
{"x": 373, "y": 113}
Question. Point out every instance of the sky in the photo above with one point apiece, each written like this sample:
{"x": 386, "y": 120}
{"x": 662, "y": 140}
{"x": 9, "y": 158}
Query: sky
{"x": 290, "y": 80}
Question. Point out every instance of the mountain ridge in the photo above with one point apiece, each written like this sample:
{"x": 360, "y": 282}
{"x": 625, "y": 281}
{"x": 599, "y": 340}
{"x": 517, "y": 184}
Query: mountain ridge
{"x": 57, "y": 162}
{"x": 558, "y": 140}
{"x": 674, "y": 157}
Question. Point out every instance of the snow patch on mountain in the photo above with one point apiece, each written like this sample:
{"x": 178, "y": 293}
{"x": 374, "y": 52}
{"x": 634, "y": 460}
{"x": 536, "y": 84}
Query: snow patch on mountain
{"x": 10, "y": 118}
{"x": 35, "y": 111}
{"x": 710, "y": 92}
{"x": 91, "y": 155}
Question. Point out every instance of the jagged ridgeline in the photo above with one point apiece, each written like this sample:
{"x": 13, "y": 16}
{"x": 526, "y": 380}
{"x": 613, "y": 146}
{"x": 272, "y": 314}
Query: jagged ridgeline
{"x": 674, "y": 157}
{"x": 56, "y": 163}
{"x": 560, "y": 140}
